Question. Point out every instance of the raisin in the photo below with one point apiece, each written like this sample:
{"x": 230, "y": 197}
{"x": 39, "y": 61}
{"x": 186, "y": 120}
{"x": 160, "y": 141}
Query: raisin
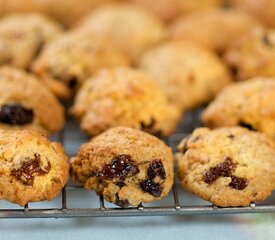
{"x": 15, "y": 114}
{"x": 266, "y": 40}
{"x": 121, "y": 166}
{"x": 72, "y": 83}
{"x": 149, "y": 128}
{"x": 156, "y": 169}
{"x": 246, "y": 125}
{"x": 120, "y": 184}
{"x": 121, "y": 202}
{"x": 151, "y": 187}
{"x": 29, "y": 169}
{"x": 238, "y": 183}
{"x": 223, "y": 169}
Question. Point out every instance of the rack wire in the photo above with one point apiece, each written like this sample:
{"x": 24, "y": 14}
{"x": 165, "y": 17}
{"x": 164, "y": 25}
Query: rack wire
{"x": 102, "y": 210}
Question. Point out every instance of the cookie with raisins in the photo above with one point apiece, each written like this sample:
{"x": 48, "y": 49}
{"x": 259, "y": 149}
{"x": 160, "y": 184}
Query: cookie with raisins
{"x": 26, "y": 103}
{"x": 126, "y": 166}
{"x": 229, "y": 166}
{"x": 248, "y": 104}
{"x": 124, "y": 96}
{"x": 32, "y": 168}
{"x": 65, "y": 63}
{"x": 23, "y": 35}
{"x": 127, "y": 26}
{"x": 189, "y": 74}
{"x": 253, "y": 54}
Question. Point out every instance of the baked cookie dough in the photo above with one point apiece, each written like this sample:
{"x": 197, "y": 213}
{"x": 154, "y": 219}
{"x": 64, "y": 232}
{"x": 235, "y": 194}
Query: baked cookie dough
{"x": 22, "y": 37}
{"x": 126, "y": 166}
{"x": 214, "y": 28}
{"x": 26, "y": 103}
{"x": 124, "y": 97}
{"x": 189, "y": 74}
{"x": 67, "y": 62}
{"x": 261, "y": 9}
{"x": 67, "y": 12}
{"x": 227, "y": 166}
{"x": 32, "y": 168}
{"x": 170, "y": 9}
{"x": 127, "y": 26}
{"x": 248, "y": 104}
{"x": 253, "y": 54}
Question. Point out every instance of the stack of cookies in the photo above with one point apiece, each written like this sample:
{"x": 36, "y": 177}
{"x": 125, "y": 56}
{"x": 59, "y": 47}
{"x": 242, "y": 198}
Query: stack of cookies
{"x": 129, "y": 71}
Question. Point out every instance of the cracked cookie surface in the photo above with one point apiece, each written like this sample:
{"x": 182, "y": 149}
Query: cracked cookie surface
{"x": 31, "y": 167}
{"x": 229, "y": 166}
{"x": 126, "y": 26}
{"x": 26, "y": 103}
{"x": 69, "y": 60}
{"x": 253, "y": 54}
{"x": 124, "y": 97}
{"x": 126, "y": 166}
{"x": 22, "y": 36}
{"x": 249, "y": 104}
{"x": 189, "y": 74}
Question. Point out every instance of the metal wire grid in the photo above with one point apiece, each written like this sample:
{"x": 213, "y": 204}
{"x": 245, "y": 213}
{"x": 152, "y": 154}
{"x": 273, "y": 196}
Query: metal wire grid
{"x": 102, "y": 211}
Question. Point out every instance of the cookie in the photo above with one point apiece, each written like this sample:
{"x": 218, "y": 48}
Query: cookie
{"x": 189, "y": 74}
{"x": 26, "y": 103}
{"x": 214, "y": 28}
{"x": 248, "y": 104}
{"x": 229, "y": 166}
{"x": 22, "y": 36}
{"x": 261, "y": 9}
{"x": 67, "y": 12}
{"x": 69, "y": 60}
{"x": 126, "y": 166}
{"x": 167, "y": 10}
{"x": 32, "y": 168}
{"x": 124, "y": 97}
{"x": 253, "y": 54}
{"x": 130, "y": 28}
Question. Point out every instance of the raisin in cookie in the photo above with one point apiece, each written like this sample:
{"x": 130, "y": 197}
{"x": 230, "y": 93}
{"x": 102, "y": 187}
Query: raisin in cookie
{"x": 261, "y": 9}
{"x": 253, "y": 54}
{"x": 227, "y": 166}
{"x": 126, "y": 166}
{"x": 189, "y": 74}
{"x": 248, "y": 104}
{"x": 22, "y": 36}
{"x": 124, "y": 97}
{"x": 130, "y": 28}
{"x": 65, "y": 63}
{"x": 32, "y": 168}
{"x": 214, "y": 29}
{"x": 169, "y": 9}
{"x": 27, "y": 103}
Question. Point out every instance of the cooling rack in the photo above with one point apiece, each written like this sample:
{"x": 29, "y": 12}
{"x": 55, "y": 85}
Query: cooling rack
{"x": 72, "y": 137}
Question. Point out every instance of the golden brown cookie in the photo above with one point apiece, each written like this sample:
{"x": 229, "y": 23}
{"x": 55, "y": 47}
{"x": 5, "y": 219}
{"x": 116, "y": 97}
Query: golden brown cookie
{"x": 124, "y": 97}
{"x": 67, "y": 12}
{"x": 67, "y": 62}
{"x": 126, "y": 166}
{"x": 189, "y": 74}
{"x": 127, "y": 26}
{"x": 26, "y": 103}
{"x": 253, "y": 54}
{"x": 262, "y": 9}
{"x": 170, "y": 9}
{"x": 22, "y": 36}
{"x": 249, "y": 104}
{"x": 214, "y": 28}
{"x": 227, "y": 166}
{"x": 32, "y": 168}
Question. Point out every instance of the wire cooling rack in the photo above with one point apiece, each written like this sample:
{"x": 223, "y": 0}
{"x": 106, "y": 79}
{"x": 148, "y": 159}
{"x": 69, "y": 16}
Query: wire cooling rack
{"x": 74, "y": 201}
